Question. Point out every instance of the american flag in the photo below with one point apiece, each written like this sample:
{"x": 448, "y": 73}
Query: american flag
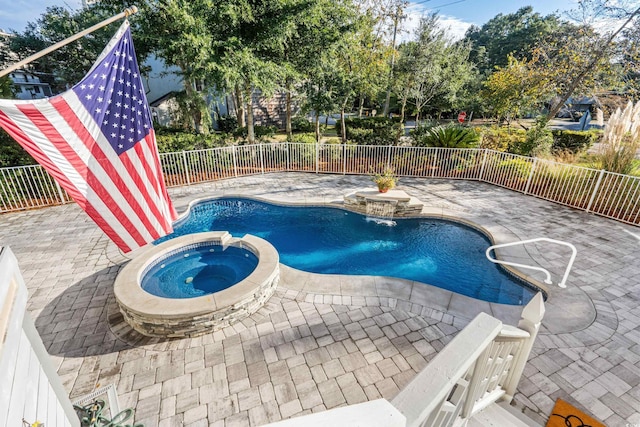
{"x": 97, "y": 141}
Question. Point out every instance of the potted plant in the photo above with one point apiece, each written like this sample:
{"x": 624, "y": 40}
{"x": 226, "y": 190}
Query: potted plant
{"x": 385, "y": 180}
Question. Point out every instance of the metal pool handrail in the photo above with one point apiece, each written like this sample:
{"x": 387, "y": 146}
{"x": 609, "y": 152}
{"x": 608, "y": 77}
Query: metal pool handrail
{"x": 562, "y": 284}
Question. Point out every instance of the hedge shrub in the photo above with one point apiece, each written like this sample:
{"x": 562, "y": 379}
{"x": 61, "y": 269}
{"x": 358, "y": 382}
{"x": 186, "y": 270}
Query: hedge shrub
{"x": 574, "y": 141}
{"x": 227, "y": 124}
{"x": 501, "y": 138}
{"x": 301, "y": 124}
{"x": 372, "y": 130}
{"x": 537, "y": 142}
{"x": 305, "y": 138}
{"x": 11, "y": 153}
{"x": 260, "y": 132}
{"x": 171, "y": 140}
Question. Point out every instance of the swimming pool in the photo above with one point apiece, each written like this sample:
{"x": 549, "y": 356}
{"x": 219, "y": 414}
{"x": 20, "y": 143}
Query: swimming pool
{"x": 333, "y": 241}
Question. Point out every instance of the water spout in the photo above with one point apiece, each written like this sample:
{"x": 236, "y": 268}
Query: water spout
{"x": 380, "y": 208}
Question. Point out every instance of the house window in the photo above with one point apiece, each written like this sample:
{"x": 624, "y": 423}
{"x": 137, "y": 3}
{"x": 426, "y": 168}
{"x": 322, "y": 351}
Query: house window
{"x": 36, "y": 89}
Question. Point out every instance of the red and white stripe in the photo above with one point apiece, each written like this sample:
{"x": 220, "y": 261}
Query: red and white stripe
{"x": 125, "y": 195}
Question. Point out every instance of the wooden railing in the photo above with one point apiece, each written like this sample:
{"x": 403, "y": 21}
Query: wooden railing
{"x": 481, "y": 365}
{"x": 603, "y": 193}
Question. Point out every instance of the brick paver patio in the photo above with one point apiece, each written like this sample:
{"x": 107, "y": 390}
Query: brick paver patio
{"x": 315, "y": 346}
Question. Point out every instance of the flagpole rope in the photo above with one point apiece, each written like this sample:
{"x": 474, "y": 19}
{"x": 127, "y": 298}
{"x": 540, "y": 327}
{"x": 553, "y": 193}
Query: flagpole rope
{"x": 127, "y": 12}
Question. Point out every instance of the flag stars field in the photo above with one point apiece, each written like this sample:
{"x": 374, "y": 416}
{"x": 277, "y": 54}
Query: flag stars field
{"x": 101, "y": 146}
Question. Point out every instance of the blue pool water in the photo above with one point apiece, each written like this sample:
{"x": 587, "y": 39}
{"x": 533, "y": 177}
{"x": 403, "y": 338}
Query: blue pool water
{"x": 331, "y": 240}
{"x": 198, "y": 271}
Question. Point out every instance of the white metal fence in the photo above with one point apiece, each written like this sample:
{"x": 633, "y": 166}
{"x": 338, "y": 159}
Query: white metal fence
{"x": 604, "y": 193}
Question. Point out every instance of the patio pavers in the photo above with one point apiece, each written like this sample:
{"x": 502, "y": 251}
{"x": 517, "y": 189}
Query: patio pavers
{"x": 311, "y": 348}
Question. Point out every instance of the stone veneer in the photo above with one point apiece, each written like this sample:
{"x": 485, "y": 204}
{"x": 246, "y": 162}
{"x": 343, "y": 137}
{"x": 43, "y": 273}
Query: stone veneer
{"x": 405, "y": 205}
{"x": 190, "y": 317}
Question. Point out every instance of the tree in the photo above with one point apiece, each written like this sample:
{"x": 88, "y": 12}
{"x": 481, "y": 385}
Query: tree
{"x": 67, "y": 65}
{"x": 570, "y": 59}
{"x": 515, "y": 88}
{"x": 249, "y": 38}
{"x": 180, "y": 36}
{"x": 513, "y": 34}
{"x": 581, "y": 60}
{"x": 432, "y": 67}
{"x": 320, "y": 89}
{"x": 360, "y": 66}
{"x": 6, "y": 58}
{"x": 368, "y": 60}
{"x": 405, "y": 73}
{"x": 317, "y": 32}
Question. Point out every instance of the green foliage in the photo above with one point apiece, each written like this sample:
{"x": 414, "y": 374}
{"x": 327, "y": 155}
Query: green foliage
{"x": 372, "y": 130}
{"x": 514, "y": 89}
{"x": 71, "y": 62}
{"x": 193, "y": 111}
{"x": 449, "y": 136}
{"x": 432, "y": 71}
{"x": 6, "y": 87}
{"x": 515, "y": 33}
{"x": 385, "y": 180}
{"x": 11, "y": 153}
{"x": 170, "y": 140}
{"x": 519, "y": 167}
{"x": 422, "y": 129}
{"x": 261, "y": 132}
{"x": 537, "y": 142}
{"x": 501, "y": 138}
{"x": 301, "y": 124}
{"x": 305, "y": 138}
{"x": 573, "y": 141}
{"x": 227, "y": 124}
{"x": 578, "y": 61}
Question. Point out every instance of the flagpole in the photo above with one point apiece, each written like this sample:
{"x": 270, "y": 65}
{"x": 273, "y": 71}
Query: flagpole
{"x": 127, "y": 12}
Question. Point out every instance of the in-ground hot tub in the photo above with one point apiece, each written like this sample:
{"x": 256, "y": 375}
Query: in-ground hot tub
{"x": 196, "y": 284}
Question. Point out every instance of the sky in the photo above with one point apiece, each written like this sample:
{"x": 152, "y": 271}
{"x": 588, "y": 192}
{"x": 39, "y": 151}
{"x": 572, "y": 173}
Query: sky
{"x": 458, "y": 15}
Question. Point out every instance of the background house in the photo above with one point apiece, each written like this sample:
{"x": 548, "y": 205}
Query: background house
{"x": 28, "y": 85}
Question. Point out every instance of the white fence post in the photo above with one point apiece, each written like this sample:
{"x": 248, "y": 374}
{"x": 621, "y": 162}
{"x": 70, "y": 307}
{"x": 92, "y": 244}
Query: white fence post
{"x": 344, "y": 159}
{"x": 433, "y": 164}
{"x": 261, "y": 158}
{"x": 60, "y": 193}
{"x": 317, "y": 157}
{"x": 389, "y": 156}
{"x": 186, "y": 167}
{"x": 530, "y": 321}
{"x": 595, "y": 190}
{"x": 533, "y": 169}
{"x": 235, "y": 161}
{"x": 484, "y": 162}
{"x": 288, "y": 150}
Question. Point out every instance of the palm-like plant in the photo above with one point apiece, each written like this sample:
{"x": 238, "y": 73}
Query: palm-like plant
{"x": 449, "y": 136}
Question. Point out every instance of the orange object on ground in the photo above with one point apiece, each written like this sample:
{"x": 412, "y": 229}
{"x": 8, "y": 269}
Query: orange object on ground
{"x": 566, "y": 415}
